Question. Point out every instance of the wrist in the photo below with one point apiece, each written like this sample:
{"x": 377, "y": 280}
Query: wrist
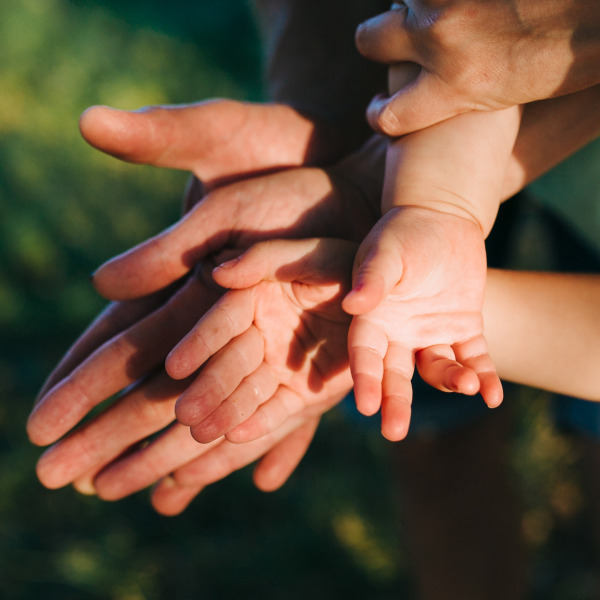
{"x": 444, "y": 202}
{"x": 440, "y": 213}
{"x": 359, "y": 178}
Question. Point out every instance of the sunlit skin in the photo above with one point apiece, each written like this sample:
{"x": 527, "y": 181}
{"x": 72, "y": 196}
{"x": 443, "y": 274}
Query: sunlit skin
{"x": 155, "y": 136}
{"x": 420, "y": 274}
{"x": 293, "y": 203}
{"x": 474, "y": 55}
{"x": 277, "y": 341}
{"x": 232, "y": 140}
{"x": 296, "y": 288}
{"x": 425, "y": 290}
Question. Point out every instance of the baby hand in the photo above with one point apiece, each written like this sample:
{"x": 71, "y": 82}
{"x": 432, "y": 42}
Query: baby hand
{"x": 271, "y": 349}
{"x": 418, "y": 295}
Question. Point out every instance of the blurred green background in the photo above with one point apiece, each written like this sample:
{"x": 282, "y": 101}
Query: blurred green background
{"x": 331, "y": 531}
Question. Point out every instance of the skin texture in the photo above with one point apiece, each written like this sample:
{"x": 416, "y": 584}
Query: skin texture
{"x": 435, "y": 299}
{"x": 98, "y": 456}
{"x": 359, "y": 177}
{"x": 420, "y": 273}
{"x": 480, "y": 56}
{"x": 216, "y": 140}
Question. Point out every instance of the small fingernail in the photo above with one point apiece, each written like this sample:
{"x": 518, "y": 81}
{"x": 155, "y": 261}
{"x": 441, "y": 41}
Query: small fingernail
{"x": 229, "y": 264}
{"x": 355, "y": 290}
{"x": 85, "y": 487}
{"x": 169, "y": 482}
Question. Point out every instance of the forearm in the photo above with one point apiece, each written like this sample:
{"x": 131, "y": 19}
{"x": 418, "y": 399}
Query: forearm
{"x": 543, "y": 330}
{"x": 313, "y": 65}
{"x": 457, "y": 166}
{"x": 551, "y": 130}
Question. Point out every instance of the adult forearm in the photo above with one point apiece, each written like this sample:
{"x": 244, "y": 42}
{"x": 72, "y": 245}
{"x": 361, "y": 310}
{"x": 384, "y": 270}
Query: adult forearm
{"x": 552, "y": 130}
{"x": 543, "y": 330}
{"x": 312, "y": 62}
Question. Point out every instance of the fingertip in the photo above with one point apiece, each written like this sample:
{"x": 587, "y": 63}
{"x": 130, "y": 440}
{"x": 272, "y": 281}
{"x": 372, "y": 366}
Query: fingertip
{"x": 36, "y": 432}
{"x": 89, "y": 117}
{"x": 115, "y": 281}
{"x": 267, "y": 483}
{"x": 382, "y": 119}
{"x": 493, "y": 395}
{"x": 358, "y": 302}
{"x": 368, "y": 398}
{"x": 206, "y": 432}
{"x": 170, "y": 499}
{"x": 186, "y": 411}
{"x": 176, "y": 366}
{"x": 50, "y": 478}
{"x": 396, "y": 413}
{"x": 224, "y": 274}
{"x": 105, "y": 128}
{"x": 243, "y": 433}
{"x": 394, "y": 432}
{"x": 463, "y": 381}
{"x": 270, "y": 475}
{"x": 108, "y": 492}
{"x": 85, "y": 486}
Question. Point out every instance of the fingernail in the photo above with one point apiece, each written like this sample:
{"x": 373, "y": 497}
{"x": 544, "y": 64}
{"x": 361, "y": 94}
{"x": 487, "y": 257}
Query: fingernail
{"x": 356, "y": 289}
{"x": 85, "y": 487}
{"x": 169, "y": 482}
{"x": 229, "y": 264}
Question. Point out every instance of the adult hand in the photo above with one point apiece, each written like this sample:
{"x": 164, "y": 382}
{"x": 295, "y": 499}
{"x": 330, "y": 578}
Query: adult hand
{"x": 480, "y": 56}
{"x": 291, "y": 203}
{"x": 217, "y": 140}
{"x": 295, "y": 287}
{"x": 307, "y": 202}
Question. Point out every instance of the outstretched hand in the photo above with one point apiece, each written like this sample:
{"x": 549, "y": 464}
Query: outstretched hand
{"x": 479, "y": 56}
{"x": 302, "y": 375}
{"x": 277, "y": 341}
{"x": 217, "y": 140}
{"x": 115, "y": 352}
{"x": 418, "y": 295}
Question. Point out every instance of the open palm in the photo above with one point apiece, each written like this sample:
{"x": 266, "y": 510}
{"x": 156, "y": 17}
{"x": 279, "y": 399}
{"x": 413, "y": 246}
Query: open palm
{"x": 278, "y": 342}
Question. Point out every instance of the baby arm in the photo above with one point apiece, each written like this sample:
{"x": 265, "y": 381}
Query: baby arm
{"x": 544, "y": 331}
{"x": 420, "y": 273}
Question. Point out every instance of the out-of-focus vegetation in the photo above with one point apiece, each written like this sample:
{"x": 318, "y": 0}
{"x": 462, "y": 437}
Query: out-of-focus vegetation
{"x": 64, "y": 208}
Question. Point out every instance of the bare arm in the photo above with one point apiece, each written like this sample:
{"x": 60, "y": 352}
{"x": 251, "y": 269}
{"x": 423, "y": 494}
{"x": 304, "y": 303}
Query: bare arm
{"x": 551, "y": 130}
{"x": 543, "y": 330}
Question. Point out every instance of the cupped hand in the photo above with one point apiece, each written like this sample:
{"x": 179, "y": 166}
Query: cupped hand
{"x": 419, "y": 283}
{"x": 278, "y": 341}
{"x": 132, "y": 338}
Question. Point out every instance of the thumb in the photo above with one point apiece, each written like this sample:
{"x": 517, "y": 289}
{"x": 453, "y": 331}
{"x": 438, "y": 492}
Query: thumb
{"x": 158, "y": 135}
{"x": 216, "y": 139}
{"x": 311, "y": 261}
{"x": 424, "y": 101}
{"x": 377, "y": 270}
